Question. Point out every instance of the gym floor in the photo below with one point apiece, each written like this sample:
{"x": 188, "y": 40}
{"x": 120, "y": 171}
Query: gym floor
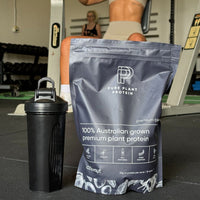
{"x": 181, "y": 160}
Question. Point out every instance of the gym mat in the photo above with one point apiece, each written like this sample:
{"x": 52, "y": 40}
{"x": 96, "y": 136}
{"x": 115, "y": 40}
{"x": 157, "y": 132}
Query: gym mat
{"x": 23, "y": 95}
{"x": 26, "y": 95}
{"x": 189, "y": 99}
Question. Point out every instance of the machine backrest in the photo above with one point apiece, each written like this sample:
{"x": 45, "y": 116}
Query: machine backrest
{"x": 146, "y": 17}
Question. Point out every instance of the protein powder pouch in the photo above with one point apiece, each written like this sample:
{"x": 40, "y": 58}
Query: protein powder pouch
{"x": 116, "y": 89}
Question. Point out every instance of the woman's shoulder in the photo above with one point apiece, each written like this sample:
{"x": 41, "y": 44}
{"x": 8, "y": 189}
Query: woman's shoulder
{"x": 97, "y": 25}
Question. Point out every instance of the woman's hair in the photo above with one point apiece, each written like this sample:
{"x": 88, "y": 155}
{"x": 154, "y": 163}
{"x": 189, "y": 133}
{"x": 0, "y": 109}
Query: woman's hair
{"x": 94, "y": 13}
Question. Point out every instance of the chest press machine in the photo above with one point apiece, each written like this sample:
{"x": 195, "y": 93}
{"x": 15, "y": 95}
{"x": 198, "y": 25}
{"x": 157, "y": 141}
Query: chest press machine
{"x": 175, "y": 101}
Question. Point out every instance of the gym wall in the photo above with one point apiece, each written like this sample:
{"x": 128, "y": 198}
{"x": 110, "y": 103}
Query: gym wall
{"x": 33, "y": 18}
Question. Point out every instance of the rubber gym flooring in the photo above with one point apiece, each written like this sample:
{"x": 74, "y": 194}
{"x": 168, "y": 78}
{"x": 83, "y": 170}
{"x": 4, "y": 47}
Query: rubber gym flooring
{"x": 181, "y": 160}
{"x": 26, "y": 95}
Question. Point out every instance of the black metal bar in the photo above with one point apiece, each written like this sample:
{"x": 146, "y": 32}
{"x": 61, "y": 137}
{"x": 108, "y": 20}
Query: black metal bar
{"x": 172, "y": 21}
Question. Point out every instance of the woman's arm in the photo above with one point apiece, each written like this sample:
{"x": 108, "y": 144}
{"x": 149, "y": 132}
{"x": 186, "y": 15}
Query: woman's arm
{"x": 90, "y": 2}
{"x": 83, "y": 29}
{"x": 98, "y": 28}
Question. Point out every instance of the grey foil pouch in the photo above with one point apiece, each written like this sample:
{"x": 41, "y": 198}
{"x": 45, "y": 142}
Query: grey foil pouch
{"x": 116, "y": 90}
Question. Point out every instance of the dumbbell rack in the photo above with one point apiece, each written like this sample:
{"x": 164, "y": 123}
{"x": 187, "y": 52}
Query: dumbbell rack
{"x": 8, "y": 69}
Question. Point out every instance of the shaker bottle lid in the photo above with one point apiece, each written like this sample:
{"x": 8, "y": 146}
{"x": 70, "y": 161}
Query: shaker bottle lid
{"x": 45, "y": 100}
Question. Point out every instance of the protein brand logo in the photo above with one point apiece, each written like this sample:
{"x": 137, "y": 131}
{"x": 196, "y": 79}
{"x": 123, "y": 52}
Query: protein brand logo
{"x": 123, "y": 73}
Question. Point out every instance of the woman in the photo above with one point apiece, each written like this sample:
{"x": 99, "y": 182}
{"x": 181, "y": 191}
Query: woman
{"x": 91, "y": 28}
